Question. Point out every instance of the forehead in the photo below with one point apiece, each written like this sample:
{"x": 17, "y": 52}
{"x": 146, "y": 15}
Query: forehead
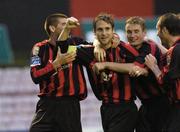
{"x": 102, "y": 24}
{"x": 61, "y": 20}
{"x": 133, "y": 26}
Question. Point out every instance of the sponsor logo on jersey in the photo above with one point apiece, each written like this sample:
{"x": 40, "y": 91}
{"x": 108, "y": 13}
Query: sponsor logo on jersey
{"x": 35, "y": 61}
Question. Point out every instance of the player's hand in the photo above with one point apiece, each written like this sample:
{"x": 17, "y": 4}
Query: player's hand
{"x": 138, "y": 71}
{"x": 115, "y": 40}
{"x": 150, "y": 61}
{"x": 99, "y": 66}
{"x": 63, "y": 58}
{"x": 72, "y": 22}
{"x": 99, "y": 53}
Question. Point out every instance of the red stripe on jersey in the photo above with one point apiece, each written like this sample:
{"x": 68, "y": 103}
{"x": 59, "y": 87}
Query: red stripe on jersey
{"x": 50, "y": 55}
{"x": 105, "y": 96}
{"x": 127, "y": 87}
{"x": 42, "y": 43}
{"x": 41, "y": 72}
{"x": 39, "y": 44}
{"x": 42, "y": 88}
{"x": 131, "y": 49}
{"x": 178, "y": 88}
{"x": 81, "y": 82}
{"x": 71, "y": 82}
{"x": 115, "y": 80}
{"x": 61, "y": 82}
{"x": 51, "y": 85}
{"x": 115, "y": 88}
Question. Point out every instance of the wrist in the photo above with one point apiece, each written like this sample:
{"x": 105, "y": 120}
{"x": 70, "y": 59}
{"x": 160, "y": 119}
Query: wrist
{"x": 56, "y": 65}
{"x": 156, "y": 70}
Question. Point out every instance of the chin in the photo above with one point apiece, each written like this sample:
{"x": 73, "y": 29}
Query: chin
{"x": 103, "y": 42}
{"x": 134, "y": 44}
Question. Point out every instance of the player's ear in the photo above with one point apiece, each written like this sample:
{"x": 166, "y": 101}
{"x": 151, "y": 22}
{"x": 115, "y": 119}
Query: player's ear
{"x": 165, "y": 30}
{"x": 52, "y": 28}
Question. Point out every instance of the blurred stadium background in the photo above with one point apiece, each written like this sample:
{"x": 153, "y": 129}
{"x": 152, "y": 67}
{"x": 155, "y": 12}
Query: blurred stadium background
{"x": 21, "y": 25}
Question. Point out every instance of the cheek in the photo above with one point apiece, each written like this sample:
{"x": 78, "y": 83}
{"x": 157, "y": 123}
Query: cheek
{"x": 140, "y": 37}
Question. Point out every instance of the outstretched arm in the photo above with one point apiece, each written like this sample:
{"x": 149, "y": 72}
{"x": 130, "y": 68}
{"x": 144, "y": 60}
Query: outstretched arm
{"x": 129, "y": 68}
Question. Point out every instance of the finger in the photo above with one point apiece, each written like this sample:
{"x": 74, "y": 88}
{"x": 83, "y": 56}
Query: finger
{"x": 70, "y": 60}
{"x": 131, "y": 73}
{"x": 75, "y": 20}
{"x": 59, "y": 50}
{"x": 69, "y": 56}
{"x": 72, "y": 53}
{"x": 151, "y": 55}
{"x": 103, "y": 56}
{"x": 100, "y": 58}
{"x": 93, "y": 68}
{"x": 97, "y": 56}
{"x": 136, "y": 73}
{"x": 97, "y": 71}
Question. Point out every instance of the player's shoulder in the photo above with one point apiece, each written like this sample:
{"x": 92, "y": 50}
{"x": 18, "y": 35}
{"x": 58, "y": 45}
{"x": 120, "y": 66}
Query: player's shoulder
{"x": 124, "y": 45}
{"x": 37, "y": 46}
{"x": 77, "y": 40}
{"x": 42, "y": 43}
{"x": 150, "y": 43}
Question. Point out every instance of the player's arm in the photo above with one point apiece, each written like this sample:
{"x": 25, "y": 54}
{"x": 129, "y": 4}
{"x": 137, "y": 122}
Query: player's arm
{"x": 128, "y": 68}
{"x": 174, "y": 68}
{"x": 151, "y": 63}
{"x": 39, "y": 70}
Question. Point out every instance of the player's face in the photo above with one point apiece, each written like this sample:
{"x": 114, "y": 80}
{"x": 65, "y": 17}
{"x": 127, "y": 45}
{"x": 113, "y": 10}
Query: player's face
{"x": 161, "y": 34}
{"x": 104, "y": 33}
{"x": 62, "y": 23}
{"x": 59, "y": 26}
{"x": 135, "y": 34}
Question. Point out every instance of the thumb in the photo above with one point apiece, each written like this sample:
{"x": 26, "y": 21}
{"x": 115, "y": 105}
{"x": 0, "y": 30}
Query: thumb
{"x": 59, "y": 51}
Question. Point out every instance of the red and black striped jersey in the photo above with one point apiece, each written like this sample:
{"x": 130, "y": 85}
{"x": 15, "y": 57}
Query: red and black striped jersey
{"x": 119, "y": 88}
{"x": 69, "y": 80}
{"x": 170, "y": 77}
{"x": 147, "y": 87}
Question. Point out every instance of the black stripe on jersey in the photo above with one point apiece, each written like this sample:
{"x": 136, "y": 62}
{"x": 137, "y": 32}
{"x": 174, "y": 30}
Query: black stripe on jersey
{"x": 114, "y": 55}
{"x": 56, "y": 84}
{"x": 121, "y": 84}
{"x": 46, "y": 57}
{"x": 109, "y": 87}
{"x": 66, "y": 84}
{"x": 75, "y": 78}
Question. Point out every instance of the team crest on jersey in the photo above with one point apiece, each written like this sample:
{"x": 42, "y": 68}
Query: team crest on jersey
{"x": 35, "y": 50}
{"x": 35, "y": 61}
